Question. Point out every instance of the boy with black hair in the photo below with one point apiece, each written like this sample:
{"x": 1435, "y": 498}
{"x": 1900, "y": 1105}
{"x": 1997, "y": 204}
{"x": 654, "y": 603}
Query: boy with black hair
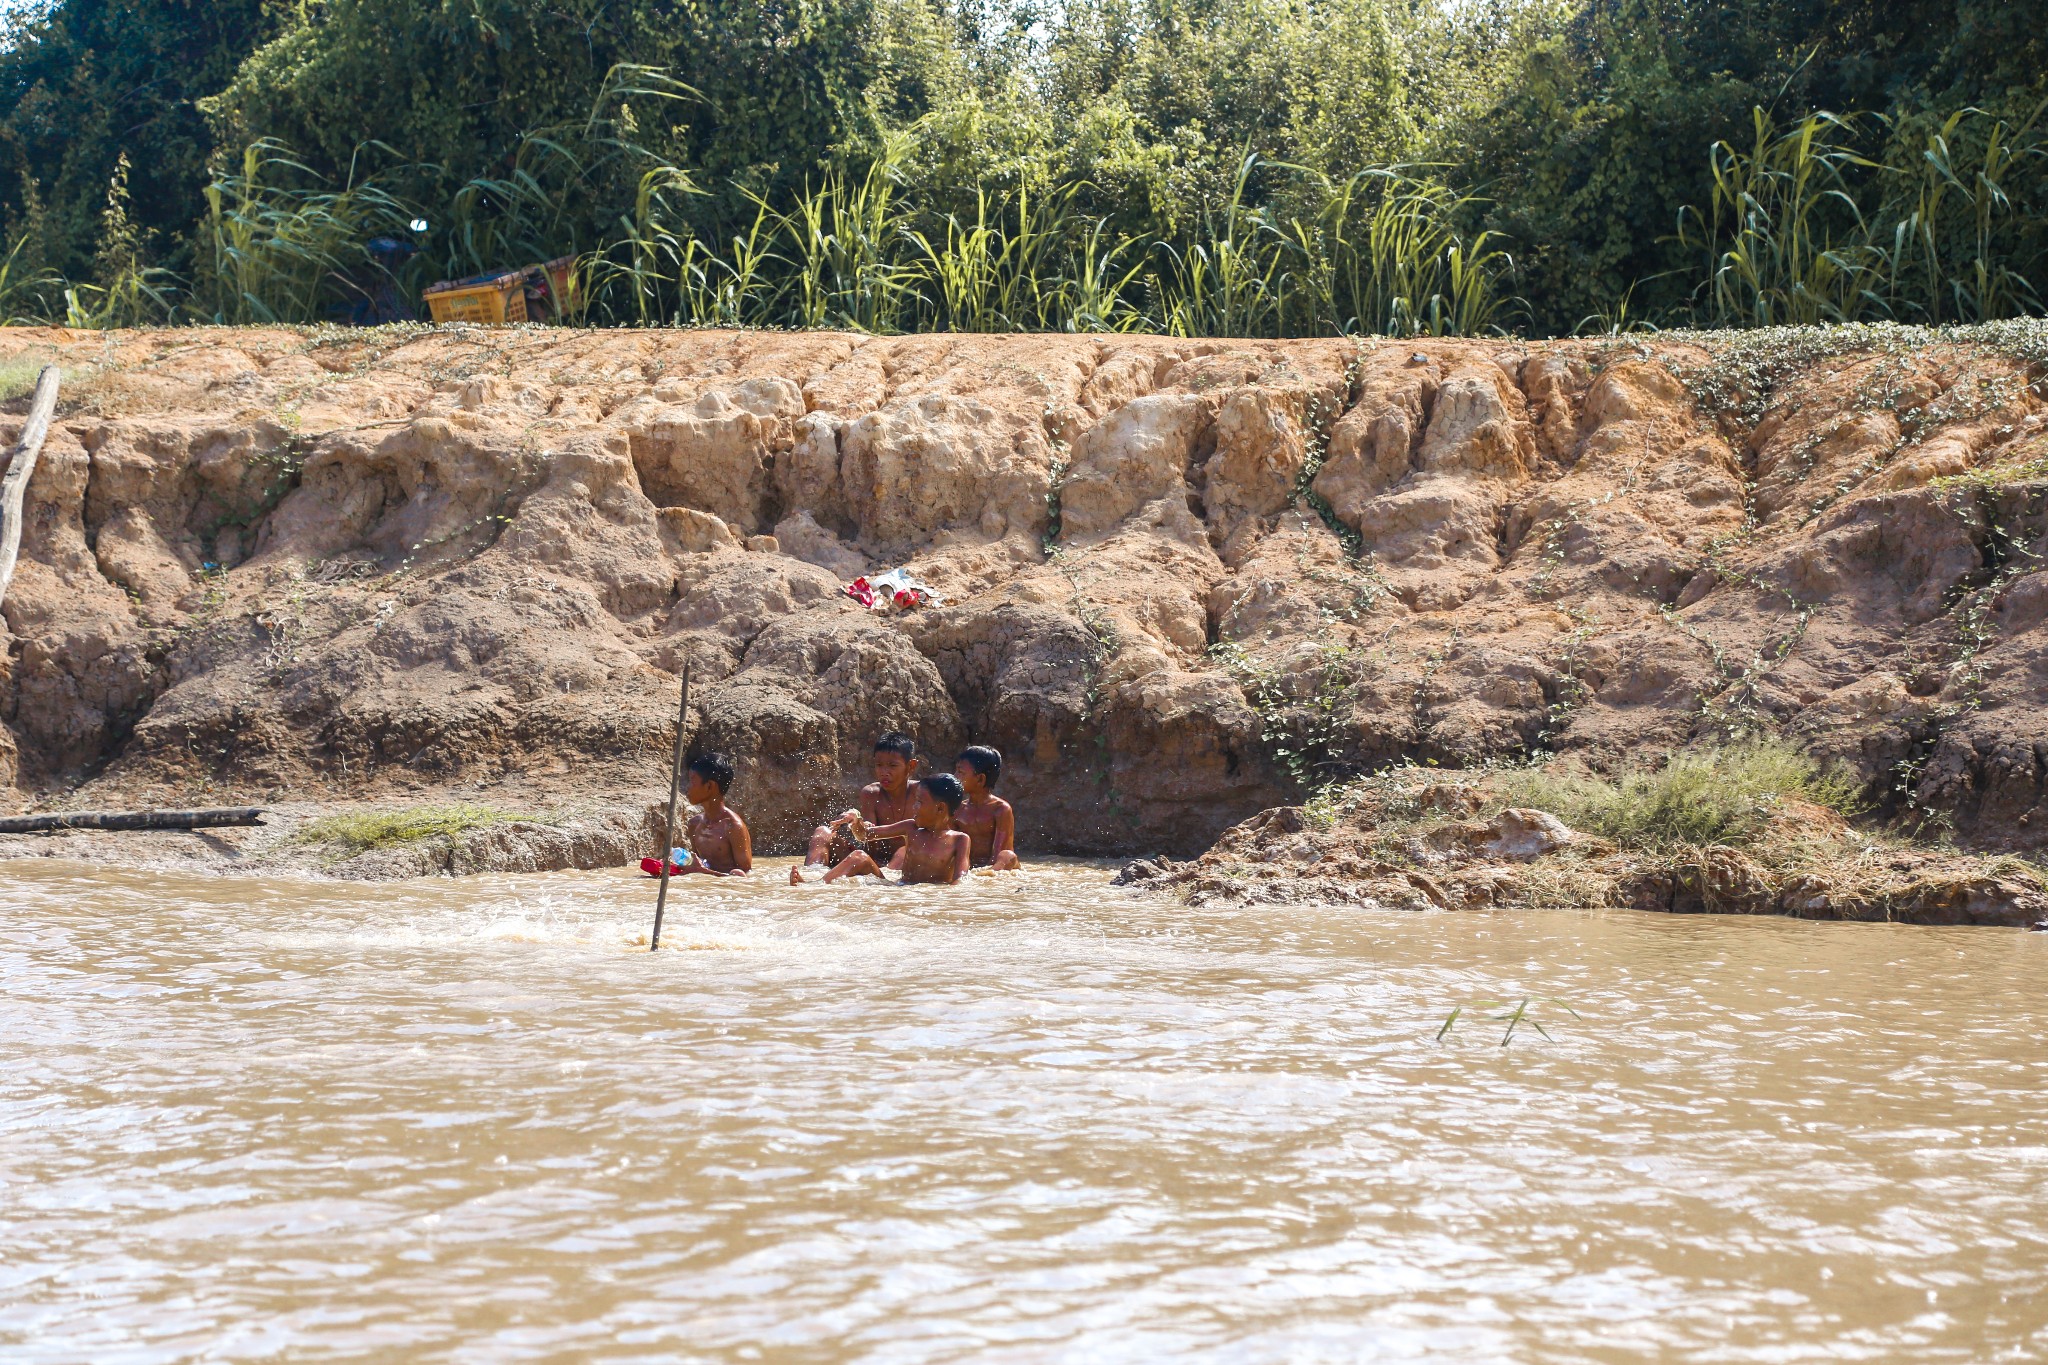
{"x": 986, "y": 819}
{"x": 933, "y": 851}
{"x": 888, "y": 800}
{"x": 716, "y": 834}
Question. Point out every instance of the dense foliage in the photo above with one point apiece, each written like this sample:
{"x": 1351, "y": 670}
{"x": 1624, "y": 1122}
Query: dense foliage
{"x": 1201, "y": 166}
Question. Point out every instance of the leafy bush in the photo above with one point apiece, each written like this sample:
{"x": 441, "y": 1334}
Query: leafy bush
{"x": 1200, "y": 167}
{"x": 1720, "y": 795}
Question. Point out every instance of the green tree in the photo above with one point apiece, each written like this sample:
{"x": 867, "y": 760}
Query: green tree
{"x": 456, "y": 87}
{"x": 93, "y": 79}
{"x": 1600, "y": 133}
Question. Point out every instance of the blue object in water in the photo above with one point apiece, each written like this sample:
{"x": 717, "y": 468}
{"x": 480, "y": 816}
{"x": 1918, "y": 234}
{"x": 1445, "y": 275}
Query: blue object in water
{"x": 679, "y": 857}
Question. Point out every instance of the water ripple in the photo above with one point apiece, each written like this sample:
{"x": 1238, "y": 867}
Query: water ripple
{"x": 1030, "y": 1120}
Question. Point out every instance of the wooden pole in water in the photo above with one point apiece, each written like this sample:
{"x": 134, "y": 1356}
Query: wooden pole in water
{"x": 675, "y": 786}
{"x": 15, "y": 486}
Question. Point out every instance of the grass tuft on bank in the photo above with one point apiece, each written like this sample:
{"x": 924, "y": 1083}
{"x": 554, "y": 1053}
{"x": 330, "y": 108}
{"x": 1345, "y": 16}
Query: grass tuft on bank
{"x": 1752, "y": 827}
{"x": 1726, "y": 794}
{"x": 362, "y": 831}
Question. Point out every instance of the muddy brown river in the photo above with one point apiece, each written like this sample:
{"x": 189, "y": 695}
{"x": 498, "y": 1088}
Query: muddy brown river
{"x": 1035, "y": 1119}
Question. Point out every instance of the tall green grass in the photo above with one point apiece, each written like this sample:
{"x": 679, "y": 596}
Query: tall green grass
{"x": 1826, "y": 219}
{"x": 274, "y": 250}
{"x": 1379, "y": 253}
{"x": 1804, "y": 226}
{"x": 1950, "y": 218}
{"x": 27, "y": 287}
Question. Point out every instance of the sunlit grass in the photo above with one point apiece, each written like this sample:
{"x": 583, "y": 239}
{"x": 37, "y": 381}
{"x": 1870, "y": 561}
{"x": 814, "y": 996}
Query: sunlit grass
{"x": 18, "y": 375}
{"x": 1719, "y": 795}
{"x": 362, "y": 831}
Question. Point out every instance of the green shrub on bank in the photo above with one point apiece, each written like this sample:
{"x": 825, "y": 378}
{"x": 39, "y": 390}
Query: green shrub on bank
{"x": 1721, "y": 795}
{"x": 1603, "y": 164}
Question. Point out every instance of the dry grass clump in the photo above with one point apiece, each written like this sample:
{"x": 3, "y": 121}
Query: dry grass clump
{"x": 361, "y": 831}
{"x": 1726, "y": 794}
{"x": 18, "y": 375}
{"x": 100, "y": 387}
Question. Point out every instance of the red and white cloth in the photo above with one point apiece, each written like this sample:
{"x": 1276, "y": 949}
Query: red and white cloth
{"x": 896, "y": 590}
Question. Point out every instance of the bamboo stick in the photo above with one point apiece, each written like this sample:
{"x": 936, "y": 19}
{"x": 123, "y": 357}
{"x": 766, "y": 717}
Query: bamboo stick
{"x": 15, "y": 486}
{"x": 675, "y": 785}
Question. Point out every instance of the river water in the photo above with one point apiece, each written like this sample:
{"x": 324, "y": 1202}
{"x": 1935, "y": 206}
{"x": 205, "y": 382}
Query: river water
{"x": 1032, "y": 1119}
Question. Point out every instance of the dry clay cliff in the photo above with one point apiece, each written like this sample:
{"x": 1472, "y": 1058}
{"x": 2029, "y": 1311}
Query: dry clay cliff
{"x": 1180, "y": 577}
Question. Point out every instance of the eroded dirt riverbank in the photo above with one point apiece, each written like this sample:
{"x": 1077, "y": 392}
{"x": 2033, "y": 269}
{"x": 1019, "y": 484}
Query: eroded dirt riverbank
{"x": 1180, "y": 577}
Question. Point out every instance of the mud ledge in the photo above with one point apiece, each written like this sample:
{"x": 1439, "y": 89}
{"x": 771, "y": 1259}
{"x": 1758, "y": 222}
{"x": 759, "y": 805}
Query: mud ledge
{"x": 1455, "y": 845}
{"x": 1185, "y": 581}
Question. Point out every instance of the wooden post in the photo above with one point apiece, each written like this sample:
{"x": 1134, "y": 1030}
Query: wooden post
{"x": 15, "y": 486}
{"x": 675, "y": 785}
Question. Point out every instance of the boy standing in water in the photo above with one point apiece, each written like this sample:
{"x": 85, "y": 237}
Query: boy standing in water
{"x": 986, "y": 819}
{"x": 933, "y": 852}
{"x": 716, "y": 834}
{"x": 888, "y": 800}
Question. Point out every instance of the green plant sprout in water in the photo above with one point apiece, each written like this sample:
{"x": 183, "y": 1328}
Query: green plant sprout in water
{"x": 1514, "y": 1016}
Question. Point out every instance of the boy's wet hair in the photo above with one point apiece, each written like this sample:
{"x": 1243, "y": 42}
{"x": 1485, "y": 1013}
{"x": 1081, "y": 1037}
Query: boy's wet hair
{"x": 715, "y": 768}
{"x": 945, "y": 787}
{"x": 896, "y": 742}
{"x": 984, "y": 760}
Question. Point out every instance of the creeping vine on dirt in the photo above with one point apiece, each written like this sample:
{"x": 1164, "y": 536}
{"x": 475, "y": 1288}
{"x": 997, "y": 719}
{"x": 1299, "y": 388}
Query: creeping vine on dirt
{"x": 1320, "y": 418}
{"x": 1307, "y": 734}
{"x": 2013, "y": 559}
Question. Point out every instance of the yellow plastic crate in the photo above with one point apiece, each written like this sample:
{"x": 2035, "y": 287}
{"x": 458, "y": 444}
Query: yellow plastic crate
{"x": 489, "y": 299}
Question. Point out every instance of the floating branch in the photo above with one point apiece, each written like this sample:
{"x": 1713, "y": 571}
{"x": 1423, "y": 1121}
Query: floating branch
{"x": 131, "y": 820}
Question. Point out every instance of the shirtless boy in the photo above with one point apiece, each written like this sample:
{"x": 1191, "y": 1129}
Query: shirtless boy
{"x": 888, "y": 800}
{"x": 986, "y": 819}
{"x": 717, "y": 834}
{"x": 933, "y": 851}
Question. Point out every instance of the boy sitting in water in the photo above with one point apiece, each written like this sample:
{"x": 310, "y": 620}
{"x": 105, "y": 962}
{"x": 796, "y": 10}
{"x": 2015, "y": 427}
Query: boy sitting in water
{"x": 716, "y": 834}
{"x": 933, "y": 851}
{"x": 986, "y": 819}
{"x": 888, "y": 800}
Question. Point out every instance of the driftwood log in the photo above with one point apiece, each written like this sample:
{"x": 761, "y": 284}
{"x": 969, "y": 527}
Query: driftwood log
{"x": 14, "y": 487}
{"x": 130, "y": 820}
